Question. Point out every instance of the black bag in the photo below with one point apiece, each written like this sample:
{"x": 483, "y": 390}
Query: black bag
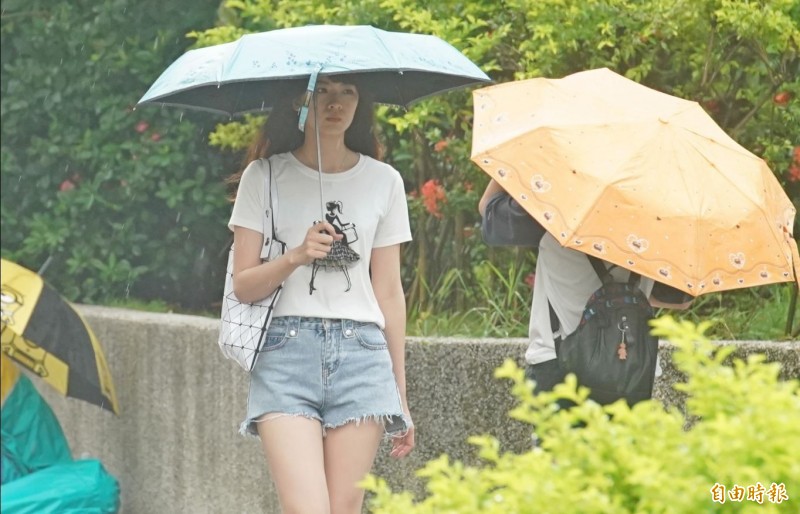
{"x": 612, "y": 351}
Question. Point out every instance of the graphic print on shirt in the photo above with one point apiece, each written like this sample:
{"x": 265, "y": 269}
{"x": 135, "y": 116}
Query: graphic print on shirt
{"x": 341, "y": 255}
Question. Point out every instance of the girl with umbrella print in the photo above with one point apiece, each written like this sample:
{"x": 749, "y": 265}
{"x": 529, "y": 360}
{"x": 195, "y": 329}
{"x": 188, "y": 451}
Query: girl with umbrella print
{"x": 330, "y": 382}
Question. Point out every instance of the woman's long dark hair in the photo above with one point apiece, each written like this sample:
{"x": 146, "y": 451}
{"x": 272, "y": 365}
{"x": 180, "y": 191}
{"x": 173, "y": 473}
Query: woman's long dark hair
{"x": 280, "y": 134}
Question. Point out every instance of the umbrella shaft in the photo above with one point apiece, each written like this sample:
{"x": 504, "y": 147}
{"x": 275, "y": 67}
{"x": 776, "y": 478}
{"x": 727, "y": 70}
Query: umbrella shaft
{"x": 319, "y": 162}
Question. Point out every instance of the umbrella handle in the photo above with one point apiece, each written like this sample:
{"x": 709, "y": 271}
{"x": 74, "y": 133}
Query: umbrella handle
{"x": 312, "y": 84}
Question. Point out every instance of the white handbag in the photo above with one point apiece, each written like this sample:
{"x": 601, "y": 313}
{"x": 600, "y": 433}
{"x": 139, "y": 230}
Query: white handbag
{"x": 244, "y": 325}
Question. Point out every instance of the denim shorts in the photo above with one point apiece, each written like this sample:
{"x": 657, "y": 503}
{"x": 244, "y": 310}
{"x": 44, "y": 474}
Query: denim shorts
{"x": 335, "y": 371}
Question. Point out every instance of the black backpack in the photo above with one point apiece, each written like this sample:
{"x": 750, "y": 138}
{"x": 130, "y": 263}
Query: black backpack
{"x": 612, "y": 351}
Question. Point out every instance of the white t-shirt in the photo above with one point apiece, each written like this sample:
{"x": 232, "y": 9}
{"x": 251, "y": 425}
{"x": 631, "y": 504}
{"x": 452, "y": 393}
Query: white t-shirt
{"x": 567, "y": 279}
{"x": 368, "y": 201}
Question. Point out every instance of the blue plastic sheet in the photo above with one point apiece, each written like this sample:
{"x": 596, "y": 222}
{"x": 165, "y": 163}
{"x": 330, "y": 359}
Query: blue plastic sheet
{"x": 38, "y": 473}
{"x": 32, "y": 438}
{"x": 79, "y": 486}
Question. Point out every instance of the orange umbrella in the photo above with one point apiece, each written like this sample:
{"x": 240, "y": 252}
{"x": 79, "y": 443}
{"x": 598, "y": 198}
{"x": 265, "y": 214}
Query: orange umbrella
{"x": 639, "y": 178}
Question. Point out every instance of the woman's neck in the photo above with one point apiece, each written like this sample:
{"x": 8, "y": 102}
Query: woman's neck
{"x": 336, "y": 157}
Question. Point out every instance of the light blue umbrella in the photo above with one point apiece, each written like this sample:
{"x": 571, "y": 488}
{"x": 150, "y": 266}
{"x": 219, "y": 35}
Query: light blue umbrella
{"x": 251, "y": 73}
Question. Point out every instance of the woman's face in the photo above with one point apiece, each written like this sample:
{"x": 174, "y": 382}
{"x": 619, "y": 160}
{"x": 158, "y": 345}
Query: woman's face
{"x": 336, "y": 106}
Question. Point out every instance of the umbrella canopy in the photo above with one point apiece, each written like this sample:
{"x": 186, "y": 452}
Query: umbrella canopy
{"x": 639, "y": 178}
{"x": 43, "y": 333}
{"x": 251, "y": 73}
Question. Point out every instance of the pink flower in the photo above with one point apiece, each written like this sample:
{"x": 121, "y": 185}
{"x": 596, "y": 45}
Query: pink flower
{"x": 440, "y": 145}
{"x": 142, "y": 126}
{"x": 155, "y": 137}
{"x": 67, "y": 185}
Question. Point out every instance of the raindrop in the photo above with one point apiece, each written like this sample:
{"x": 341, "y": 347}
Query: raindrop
{"x": 82, "y": 46}
{"x": 178, "y": 218}
{"x": 61, "y": 61}
{"x": 180, "y": 118}
{"x": 202, "y": 252}
{"x": 66, "y": 168}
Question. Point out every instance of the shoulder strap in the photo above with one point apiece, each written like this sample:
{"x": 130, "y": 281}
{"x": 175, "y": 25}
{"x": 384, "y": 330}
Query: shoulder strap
{"x": 604, "y": 273}
{"x": 269, "y": 192}
{"x": 599, "y": 267}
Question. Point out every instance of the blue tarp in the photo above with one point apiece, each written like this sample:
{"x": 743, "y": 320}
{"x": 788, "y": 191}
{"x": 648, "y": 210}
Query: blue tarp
{"x": 81, "y": 486}
{"x": 38, "y": 473}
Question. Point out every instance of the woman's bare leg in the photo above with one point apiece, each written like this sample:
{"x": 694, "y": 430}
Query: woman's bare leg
{"x": 349, "y": 454}
{"x": 294, "y": 451}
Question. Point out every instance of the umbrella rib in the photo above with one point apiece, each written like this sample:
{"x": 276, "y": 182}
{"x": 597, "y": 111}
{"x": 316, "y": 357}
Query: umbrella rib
{"x": 759, "y": 205}
{"x": 396, "y": 67}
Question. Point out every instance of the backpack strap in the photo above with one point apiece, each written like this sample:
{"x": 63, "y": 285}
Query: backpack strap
{"x": 599, "y": 268}
{"x": 604, "y": 274}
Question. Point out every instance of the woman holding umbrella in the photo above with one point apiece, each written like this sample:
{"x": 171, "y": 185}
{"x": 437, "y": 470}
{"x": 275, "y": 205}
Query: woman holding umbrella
{"x": 331, "y": 379}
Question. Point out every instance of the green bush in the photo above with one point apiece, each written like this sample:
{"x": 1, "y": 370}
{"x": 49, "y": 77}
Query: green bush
{"x": 642, "y": 460}
{"x": 740, "y": 60}
{"x": 127, "y": 202}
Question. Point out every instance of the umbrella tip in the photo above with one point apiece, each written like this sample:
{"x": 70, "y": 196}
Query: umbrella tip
{"x": 44, "y": 266}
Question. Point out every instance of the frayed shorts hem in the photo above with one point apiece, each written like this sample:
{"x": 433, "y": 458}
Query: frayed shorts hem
{"x": 394, "y": 425}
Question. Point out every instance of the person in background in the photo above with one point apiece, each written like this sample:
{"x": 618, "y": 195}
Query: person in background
{"x": 565, "y": 279}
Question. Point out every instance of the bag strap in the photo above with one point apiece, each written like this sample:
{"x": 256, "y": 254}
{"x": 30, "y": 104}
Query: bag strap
{"x": 604, "y": 274}
{"x": 273, "y": 200}
{"x": 599, "y": 268}
{"x": 269, "y": 213}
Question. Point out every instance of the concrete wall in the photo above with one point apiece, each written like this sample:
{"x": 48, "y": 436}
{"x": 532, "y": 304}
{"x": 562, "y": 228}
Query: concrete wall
{"x": 176, "y": 449}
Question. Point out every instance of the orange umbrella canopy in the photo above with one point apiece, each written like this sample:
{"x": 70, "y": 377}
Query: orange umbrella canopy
{"x": 642, "y": 179}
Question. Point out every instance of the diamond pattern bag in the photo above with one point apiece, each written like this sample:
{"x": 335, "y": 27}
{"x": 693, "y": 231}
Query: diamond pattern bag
{"x": 244, "y": 325}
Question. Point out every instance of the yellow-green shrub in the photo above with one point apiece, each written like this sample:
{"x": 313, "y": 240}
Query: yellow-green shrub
{"x": 744, "y": 424}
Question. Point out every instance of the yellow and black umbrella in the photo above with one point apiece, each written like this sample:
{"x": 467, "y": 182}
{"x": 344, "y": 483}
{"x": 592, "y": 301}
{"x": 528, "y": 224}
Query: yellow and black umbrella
{"x": 42, "y": 332}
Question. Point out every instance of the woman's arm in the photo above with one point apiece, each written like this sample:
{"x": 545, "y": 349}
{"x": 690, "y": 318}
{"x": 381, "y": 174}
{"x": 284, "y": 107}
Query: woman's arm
{"x": 254, "y": 279}
{"x": 388, "y": 288}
